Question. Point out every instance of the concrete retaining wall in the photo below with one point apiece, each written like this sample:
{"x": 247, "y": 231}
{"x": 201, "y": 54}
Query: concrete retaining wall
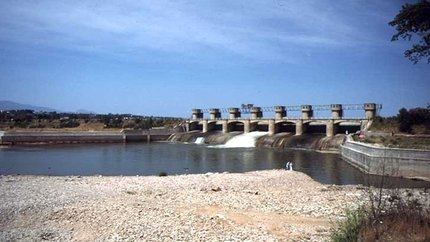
{"x": 46, "y": 137}
{"x": 61, "y": 137}
{"x": 1, "y": 135}
{"x": 409, "y": 163}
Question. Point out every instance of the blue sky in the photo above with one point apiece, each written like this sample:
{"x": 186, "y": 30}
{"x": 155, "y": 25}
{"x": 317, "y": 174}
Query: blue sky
{"x": 166, "y": 57}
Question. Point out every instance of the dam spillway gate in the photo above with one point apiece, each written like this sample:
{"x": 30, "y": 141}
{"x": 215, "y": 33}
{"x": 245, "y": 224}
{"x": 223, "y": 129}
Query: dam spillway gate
{"x": 306, "y": 122}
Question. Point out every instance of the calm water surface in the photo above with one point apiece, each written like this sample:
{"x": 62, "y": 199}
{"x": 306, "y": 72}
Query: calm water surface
{"x": 153, "y": 158}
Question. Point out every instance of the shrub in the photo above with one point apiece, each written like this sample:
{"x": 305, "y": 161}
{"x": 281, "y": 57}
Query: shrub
{"x": 129, "y": 124}
{"x": 162, "y": 173}
{"x": 21, "y": 124}
{"x": 400, "y": 218}
{"x": 413, "y": 117}
{"x": 36, "y": 126}
{"x": 385, "y": 124}
{"x": 405, "y": 120}
{"x": 348, "y": 230}
{"x": 388, "y": 217}
{"x": 71, "y": 123}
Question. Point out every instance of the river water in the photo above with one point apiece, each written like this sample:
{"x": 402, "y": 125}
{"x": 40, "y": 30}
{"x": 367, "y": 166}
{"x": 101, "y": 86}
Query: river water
{"x": 174, "y": 158}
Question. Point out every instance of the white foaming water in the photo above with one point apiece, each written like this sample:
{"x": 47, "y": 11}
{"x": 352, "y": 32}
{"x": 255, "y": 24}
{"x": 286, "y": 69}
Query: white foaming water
{"x": 243, "y": 140}
{"x": 199, "y": 140}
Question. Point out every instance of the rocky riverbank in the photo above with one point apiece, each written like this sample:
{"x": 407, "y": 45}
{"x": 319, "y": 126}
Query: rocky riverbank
{"x": 258, "y": 206}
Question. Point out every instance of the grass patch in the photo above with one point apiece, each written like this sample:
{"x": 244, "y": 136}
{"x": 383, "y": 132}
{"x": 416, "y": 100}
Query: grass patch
{"x": 385, "y": 125}
{"x": 396, "y": 141}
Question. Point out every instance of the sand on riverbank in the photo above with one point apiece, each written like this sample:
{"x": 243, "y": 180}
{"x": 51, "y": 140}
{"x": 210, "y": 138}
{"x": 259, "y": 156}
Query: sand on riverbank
{"x": 259, "y": 206}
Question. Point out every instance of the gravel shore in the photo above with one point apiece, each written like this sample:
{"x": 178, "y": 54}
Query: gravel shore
{"x": 275, "y": 205}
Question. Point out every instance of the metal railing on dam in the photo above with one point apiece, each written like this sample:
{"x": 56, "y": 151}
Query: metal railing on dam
{"x": 294, "y": 108}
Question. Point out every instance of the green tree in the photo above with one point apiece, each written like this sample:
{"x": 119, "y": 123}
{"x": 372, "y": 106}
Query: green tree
{"x": 414, "y": 20}
{"x": 405, "y": 120}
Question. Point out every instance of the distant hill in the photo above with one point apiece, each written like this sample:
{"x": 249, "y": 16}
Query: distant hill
{"x": 84, "y": 111}
{"x": 9, "y": 105}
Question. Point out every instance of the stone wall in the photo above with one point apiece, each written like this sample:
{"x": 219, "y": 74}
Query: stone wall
{"x": 409, "y": 163}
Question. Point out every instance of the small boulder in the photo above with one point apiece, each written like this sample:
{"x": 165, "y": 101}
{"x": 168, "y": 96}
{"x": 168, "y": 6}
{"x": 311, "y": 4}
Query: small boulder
{"x": 218, "y": 189}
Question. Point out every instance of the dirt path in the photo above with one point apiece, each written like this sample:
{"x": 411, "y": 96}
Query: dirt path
{"x": 275, "y": 223}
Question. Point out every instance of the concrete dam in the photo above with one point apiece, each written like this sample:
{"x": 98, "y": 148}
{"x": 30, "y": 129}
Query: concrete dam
{"x": 81, "y": 137}
{"x": 281, "y": 122}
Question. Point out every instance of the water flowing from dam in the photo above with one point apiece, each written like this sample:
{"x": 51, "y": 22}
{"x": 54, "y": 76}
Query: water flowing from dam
{"x": 247, "y": 140}
{"x": 200, "y": 140}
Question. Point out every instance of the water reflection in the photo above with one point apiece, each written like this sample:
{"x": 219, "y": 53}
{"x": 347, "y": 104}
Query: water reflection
{"x": 151, "y": 159}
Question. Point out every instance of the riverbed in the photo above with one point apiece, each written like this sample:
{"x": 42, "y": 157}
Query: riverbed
{"x": 256, "y": 206}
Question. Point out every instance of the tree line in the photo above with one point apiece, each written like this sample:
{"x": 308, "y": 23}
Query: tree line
{"x": 416, "y": 116}
{"x": 412, "y": 121}
{"x": 31, "y": 119}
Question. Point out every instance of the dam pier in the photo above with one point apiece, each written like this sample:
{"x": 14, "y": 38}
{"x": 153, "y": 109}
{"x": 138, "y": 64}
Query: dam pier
{"x": 306, "y": 122}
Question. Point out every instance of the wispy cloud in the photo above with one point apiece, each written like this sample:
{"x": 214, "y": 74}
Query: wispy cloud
{"x": 268, "y": 30}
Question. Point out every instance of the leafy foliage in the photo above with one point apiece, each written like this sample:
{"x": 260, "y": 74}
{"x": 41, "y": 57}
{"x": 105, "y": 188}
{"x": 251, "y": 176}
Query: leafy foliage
{"x": 414, "y": 20}
{"x": 405, "y": 120}
{"x": 415, "y": 116}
